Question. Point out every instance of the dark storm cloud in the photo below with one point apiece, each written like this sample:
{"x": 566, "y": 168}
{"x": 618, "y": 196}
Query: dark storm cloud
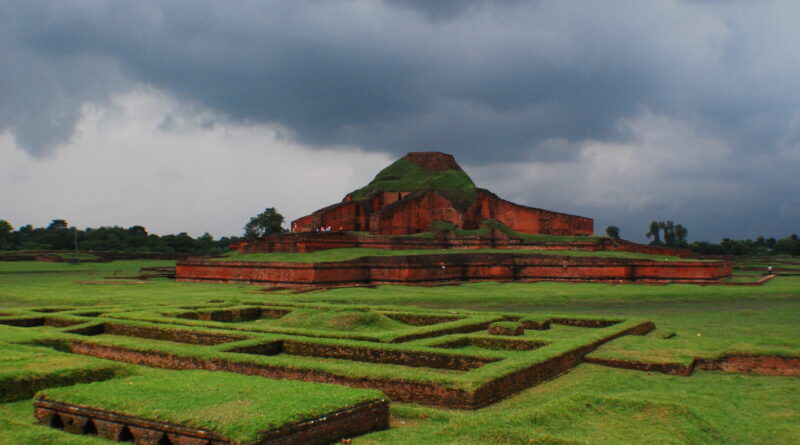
{"x": 481, "y": 79}
{"x": 445, "y": 9}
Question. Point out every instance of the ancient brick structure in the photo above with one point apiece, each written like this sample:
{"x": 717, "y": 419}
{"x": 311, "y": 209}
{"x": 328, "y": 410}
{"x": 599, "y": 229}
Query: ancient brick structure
{"x": 460, "y": 267}
{"x": 428, "y": 192}
{"x": 494, "y": 239}
{"x": 403, "y": 212}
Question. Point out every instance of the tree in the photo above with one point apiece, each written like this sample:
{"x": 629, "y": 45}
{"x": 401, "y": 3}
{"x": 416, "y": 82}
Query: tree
{"x": 612, "y": 232}
{"x": 58, "y": 224}
{"x": 655, "y": 229}
{"x": 674, "y": 234}
{"x": 5, "y": 232}
{"x": 265, "y": 223}
{"x": 680, "y": 235}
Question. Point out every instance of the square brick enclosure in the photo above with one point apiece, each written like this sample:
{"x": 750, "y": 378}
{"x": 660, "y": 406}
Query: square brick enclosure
{"x": 97, "y": 410}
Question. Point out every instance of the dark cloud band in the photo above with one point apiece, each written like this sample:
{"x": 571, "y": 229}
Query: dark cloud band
{"x": 486, "y": 80}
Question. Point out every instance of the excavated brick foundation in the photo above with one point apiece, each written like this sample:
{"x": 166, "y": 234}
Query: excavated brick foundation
{"x": 743, "y": 364}
{"x": 155, "y": 333}
{"x": 399, "y": 389}
{"x": 77, "y": 419}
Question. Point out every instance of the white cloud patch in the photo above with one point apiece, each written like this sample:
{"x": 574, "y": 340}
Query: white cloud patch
{"x": 125, "y": 167}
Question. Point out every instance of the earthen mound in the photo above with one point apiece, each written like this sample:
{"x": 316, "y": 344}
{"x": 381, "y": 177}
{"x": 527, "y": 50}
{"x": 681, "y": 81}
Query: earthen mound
{"x": 340, "y": 320}
{"x": 433, "y": 160}
{"x": 421, "y": 188}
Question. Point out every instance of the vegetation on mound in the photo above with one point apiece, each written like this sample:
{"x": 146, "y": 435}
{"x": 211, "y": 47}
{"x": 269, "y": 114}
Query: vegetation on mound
{"x": 230, "y": 404}
{"x": 506, "y": 325}
{"x": 487, "y": 224}
{"x": 404, "y": 175}
{"x": 340, "y": 320}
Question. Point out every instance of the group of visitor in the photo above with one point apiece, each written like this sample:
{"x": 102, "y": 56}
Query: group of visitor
{"x": 328, "y": 228}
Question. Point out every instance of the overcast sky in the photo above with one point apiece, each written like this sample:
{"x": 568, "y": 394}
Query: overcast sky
{"x": 196, "y": 115}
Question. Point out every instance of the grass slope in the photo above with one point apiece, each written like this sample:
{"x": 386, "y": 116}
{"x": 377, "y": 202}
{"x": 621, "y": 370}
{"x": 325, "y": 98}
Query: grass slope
{"x": 593, "y": 405}
{"x": 404, "y": 175}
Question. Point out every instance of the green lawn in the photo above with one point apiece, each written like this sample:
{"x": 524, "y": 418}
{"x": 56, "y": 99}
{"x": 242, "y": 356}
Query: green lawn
{"x": 598, "y": 405}
{"x": 590, "y": 404}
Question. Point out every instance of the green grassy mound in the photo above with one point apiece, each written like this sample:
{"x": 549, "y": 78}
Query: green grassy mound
{"x": 235, "y": 406}
{"x": 340, "y": 320}
{"x": 403, "y": 175}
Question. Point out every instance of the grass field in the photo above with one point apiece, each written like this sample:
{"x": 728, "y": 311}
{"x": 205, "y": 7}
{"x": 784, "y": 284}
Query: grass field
{"x": 590, "y": 404}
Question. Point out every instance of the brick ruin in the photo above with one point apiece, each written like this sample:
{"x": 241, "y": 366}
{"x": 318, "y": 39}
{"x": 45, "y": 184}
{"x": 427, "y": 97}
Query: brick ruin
{"x": 378, "y": 219}
{"x": 304, "y": 242}
{"x": 454, "y": 267}
{"x": 457, "y": 360}
{"x": 421, "y": 362}
{"x": 404, "y": 212}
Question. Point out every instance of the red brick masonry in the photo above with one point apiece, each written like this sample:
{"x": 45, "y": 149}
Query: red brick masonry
{"x": 397, "y": 388}
{"x": 413, "y": 211}
{"x": 314, "y": 241}
{"x": 457, "y": 267}
{"x": 757, "y": 364}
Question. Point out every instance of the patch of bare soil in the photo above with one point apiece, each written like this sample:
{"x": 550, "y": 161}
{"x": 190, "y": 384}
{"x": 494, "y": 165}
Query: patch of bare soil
{"x": 399, "y": 422}
{"x": 762, "y": 364}
{"x": 742, "y": 364}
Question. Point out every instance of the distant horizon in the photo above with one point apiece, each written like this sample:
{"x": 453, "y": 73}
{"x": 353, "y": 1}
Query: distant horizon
{"x": 643, "y": 240}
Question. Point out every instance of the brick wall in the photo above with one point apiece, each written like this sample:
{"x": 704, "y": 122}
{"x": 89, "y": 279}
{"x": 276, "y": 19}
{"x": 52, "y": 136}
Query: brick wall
{"x": 425, "y": 269}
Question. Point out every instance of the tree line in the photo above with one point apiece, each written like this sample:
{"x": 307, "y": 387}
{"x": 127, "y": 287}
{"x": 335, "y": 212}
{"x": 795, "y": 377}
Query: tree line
{"x": 58, "y": 235}
{"x": 789, "y": 245}
{"x": 669, "y": 234}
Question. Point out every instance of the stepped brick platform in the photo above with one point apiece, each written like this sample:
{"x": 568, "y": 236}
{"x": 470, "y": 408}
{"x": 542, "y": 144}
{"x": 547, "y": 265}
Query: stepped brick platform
{"x": 429, "y": 193}
{"x": 402, "y": 213}
{"x": 494, "y": 239}
{"x": 456, "y": 267}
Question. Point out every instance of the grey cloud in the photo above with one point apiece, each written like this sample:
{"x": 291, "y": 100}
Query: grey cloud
{"x": 445, "y": 9}
{"x": 486, "y": 80}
